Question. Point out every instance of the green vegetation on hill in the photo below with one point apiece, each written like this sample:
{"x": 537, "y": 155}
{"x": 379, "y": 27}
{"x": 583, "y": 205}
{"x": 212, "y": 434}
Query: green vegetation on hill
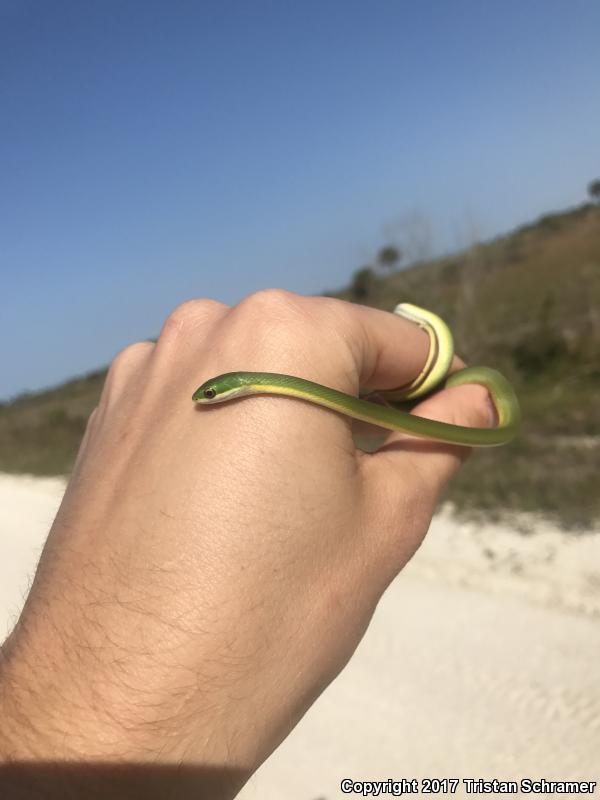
{"x": 527, "y": 303}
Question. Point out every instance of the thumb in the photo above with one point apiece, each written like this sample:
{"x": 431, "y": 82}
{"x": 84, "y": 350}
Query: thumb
{"x": 435, "y": 463}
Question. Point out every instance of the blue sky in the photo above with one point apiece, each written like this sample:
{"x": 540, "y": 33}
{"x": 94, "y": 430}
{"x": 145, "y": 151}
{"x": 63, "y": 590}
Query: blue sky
{"x": 151, "y": 152}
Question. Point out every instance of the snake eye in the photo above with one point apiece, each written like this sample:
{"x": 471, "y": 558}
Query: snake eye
{"x": 209, "y": 393}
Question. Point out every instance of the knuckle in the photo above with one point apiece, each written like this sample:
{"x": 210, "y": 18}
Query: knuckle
{"x": 123, "y": 365}
{"x": 189, "y": 315}
{"x": 269, "y": 299}
{"x": 275, "y": 317}
{"x": 291, "y": 327}
{"x": 130, "y": 355}
{"x": 89, "y": 425}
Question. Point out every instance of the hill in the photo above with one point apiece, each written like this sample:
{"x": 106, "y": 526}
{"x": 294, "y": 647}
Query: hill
{"x": 527, "y": 303}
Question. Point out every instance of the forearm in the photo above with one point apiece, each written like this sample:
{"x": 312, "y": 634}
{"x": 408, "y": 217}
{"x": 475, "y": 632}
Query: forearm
{"x": 56, "y": 742}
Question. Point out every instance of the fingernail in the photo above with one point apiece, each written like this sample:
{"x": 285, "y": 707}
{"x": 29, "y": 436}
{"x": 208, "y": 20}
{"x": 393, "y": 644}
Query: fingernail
{"x": 492, "y": 413}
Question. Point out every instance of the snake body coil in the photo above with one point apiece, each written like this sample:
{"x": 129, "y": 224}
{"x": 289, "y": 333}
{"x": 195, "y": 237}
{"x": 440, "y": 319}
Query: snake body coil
{"x": 238, "y": 384}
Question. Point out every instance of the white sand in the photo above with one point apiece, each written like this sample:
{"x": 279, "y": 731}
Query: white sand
{"x": 482, "y": 660}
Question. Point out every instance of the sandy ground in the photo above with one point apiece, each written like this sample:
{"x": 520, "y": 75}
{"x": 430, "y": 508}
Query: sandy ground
{"x": 482, "y": 660}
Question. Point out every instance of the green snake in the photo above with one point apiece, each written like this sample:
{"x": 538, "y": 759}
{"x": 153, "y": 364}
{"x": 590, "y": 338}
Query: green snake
{"x": 441, "y": 352}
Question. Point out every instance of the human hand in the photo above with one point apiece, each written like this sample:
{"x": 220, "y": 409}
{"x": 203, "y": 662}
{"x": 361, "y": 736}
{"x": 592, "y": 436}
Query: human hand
{"x": 212, "y": 569}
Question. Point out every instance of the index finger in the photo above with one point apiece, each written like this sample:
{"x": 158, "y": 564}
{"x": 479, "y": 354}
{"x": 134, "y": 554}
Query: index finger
{"x": 388, "y": 350}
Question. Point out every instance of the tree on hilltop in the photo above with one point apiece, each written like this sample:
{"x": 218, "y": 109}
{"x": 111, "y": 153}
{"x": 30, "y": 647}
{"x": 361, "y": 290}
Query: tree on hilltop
{"x": 389, "y": 256}
{"x": 594, "y": 190}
